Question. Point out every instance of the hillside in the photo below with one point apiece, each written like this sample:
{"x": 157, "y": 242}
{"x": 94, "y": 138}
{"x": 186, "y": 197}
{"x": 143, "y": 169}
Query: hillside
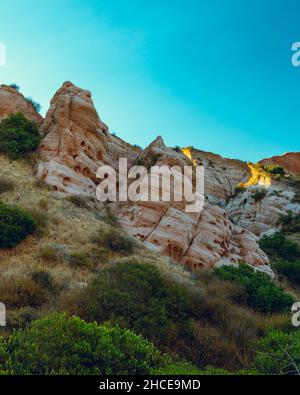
{"x": 201, "y": 288}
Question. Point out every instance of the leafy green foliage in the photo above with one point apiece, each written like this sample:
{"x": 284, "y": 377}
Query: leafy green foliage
{"x": 262, "y": 293}
{"x": 279, "y": 353}
{"x": 275, "y": 170}
{"x": 14, "y": 86}
{"x": 18, "y": 136}
{"x": 59, "y": 344}
{"x": 115, "y": 240}
{"x": 290, "y": 222}
{"x": 289, "y": 269}
{"x": 278, "y": 246}
{"x": 15, "y": 225}
{"x": 135, "y": 296}
{"x": 34, "y": 104}
{"x": 259, "y": 194}
{"x": 6, "y": 185}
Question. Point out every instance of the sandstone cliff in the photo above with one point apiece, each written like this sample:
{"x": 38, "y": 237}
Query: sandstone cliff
{"x": 77, "y": 142}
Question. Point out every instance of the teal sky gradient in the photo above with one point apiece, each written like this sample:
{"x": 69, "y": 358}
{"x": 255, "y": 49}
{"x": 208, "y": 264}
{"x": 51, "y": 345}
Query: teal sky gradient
{"x": 214, "y": 74}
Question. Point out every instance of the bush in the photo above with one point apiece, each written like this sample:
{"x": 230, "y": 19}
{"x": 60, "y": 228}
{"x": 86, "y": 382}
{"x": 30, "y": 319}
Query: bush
{"x": 15, "y": 225}
{"x": 58, "y": 344}
{"x": 262, "y": 293}
{"x": 278, "y": 246}
{"x": 279, "y": 353}
{"x": 259, "y": 194}
{"x": 20, "y": 318}
{"x": 275, "y": 170}
{"x": 290, "y": 270}
{"x": 44, "y": 279}
{"x": 14, "y": 86}
{"x": 79, "y": 201}
{"x": 18, "y": 136}
{"x": 240, "y": 188}
{"x": 79, "y": 259}
{"x": 135, "y": 296}
{"x": 200, "y": 325}
{"x": 34, "y": 104}
{"x": 290, "y": 222}
{"x": 6, "y": 185}
{"x": 115, "y": 240}
{"x": 54, "y": 252}
{"x": 22, "y": 292}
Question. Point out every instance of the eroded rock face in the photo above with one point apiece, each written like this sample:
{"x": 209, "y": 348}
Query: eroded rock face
{"x": 77, "y": 142}
{"x": 12, "y": 102}
{"x": 221, "y": 175}
{"x": 263, "y": 215}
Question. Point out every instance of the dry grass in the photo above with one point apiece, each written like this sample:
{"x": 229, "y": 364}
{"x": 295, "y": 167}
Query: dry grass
{"x": 61, "y": 222}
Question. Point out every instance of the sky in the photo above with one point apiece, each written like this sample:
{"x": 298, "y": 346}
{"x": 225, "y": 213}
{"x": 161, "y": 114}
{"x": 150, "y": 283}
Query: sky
{"x": 213, "y": 74}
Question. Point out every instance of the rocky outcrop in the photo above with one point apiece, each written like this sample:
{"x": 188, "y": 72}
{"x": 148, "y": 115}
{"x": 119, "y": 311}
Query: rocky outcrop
{"x": 289, "y": 161}
{"x": 259, "y": 208}
{"x": 76, "y": 142}
{"x": 12, "y": 102}
{"x": 221, "y": 175}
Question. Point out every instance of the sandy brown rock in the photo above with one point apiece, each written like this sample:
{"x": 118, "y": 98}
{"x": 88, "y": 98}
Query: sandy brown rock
{"x": 12, "y": 102}
{"x": 222, "y": 175}
{"x": 289, "y": 161}
{"x": 77, "y": 142}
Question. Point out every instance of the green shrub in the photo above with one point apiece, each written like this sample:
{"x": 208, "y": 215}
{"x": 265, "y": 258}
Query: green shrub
{"x": 43, "y": 278}
{"x": 34, "y": 104}
{"x": 6, "y": 185}
{"x": 290, "y": 222}
{"x": 79, "y": 259}
{"x": 79, "y": 201}
{"x": 262, "y": 293}
{"x": 58, "y": 344}
{"x": 289, "y": 269}
{"x": 14, "y": 86}
{"x": 240, "y": 188}
{"x": 18, "y": 136}
{"x": 15, "y": 225}
{"x": 20, "y": 318}
{"x": 135, "y": 296}
{"x": 115, "y": 240}
{"x": 278, "y": 246}
{"x": 200, "y": 323}
{"x": 177, "y": 368}
{"x": 258, "y": 194}
{"x": 275, "y": 170}
{"x": 279, "y": 353}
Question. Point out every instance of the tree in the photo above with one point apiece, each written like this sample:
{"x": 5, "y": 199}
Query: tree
{"x": 59, "y": 344}
{"x": 18, "y": 136}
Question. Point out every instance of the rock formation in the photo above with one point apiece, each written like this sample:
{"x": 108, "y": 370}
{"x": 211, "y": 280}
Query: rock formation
{"x": 12, "y": 102}
{"x": 76, "y": 142}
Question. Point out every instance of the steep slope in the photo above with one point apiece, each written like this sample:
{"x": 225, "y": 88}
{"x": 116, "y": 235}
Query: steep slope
{"x": 77, "y": 142}
{"x": 12, "y": 101}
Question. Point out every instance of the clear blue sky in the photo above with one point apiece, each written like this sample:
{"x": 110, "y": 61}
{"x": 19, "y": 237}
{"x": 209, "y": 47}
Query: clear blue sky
{"x": 215, "y": 74}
